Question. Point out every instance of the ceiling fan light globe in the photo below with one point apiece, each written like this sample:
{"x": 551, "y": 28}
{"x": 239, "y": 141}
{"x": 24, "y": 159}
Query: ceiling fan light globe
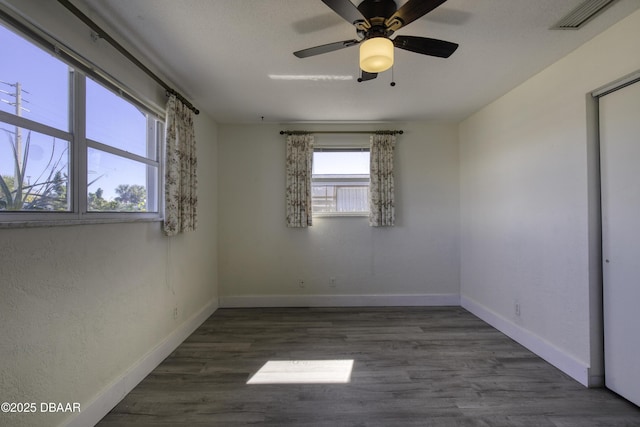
{"x": 376, "y": 55}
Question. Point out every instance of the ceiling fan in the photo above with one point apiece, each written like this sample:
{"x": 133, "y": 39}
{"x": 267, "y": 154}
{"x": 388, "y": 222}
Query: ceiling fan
{"x": 375, "y": 22}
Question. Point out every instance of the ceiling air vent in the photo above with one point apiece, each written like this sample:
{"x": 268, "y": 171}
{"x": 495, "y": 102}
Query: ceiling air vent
{"x": 582, "y": 14}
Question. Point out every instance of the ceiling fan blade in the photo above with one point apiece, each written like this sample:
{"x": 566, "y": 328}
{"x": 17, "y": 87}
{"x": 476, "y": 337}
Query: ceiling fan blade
{"x": 410, "y": 11}
{"x": 367, "y": 76}
{"x": 346, "y": 9}
{"x": 425, "y": 46}
{"x": 325, "y": 48}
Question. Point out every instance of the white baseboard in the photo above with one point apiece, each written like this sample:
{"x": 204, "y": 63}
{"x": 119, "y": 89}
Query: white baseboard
{"x": 568, "y": 364}
{"x": 246, "y": 301}
{"x": 111, "y": 395}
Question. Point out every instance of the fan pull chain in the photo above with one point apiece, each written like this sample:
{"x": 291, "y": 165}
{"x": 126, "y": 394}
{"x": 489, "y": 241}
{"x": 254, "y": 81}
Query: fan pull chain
{"x": 393, "y": 83}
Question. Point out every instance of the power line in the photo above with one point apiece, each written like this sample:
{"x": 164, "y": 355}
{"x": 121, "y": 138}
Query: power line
{"x": 17, "y": 94}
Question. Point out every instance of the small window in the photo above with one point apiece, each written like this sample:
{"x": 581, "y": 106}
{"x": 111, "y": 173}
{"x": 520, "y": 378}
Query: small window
{"x": 340, "y": 182}
{"x": 122, "y": 154}
{"x": 34, "y": 171}
{"x": 33, "y": 83}
{"x": 35, "y": 145}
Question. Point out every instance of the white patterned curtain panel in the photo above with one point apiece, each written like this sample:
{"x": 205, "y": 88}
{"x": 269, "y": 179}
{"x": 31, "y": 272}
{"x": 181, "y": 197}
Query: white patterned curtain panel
{"x": 299, "y": 169}
{"x": 381, "y": 202}
{"x": 181, "y": 182}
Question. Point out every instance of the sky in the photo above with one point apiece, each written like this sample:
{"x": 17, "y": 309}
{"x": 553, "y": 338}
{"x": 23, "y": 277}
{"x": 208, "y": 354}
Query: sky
{"x": 45, "y": 99}
{"x": 341, "y": 162}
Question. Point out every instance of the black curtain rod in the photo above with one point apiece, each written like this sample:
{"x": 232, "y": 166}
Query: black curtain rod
{"x": 377, "y": 132}
{"x": 103, "y": 34}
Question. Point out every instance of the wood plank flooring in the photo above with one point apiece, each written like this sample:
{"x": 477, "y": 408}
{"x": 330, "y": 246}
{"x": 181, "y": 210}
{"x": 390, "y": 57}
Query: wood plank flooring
{"x": 433, "y": 366}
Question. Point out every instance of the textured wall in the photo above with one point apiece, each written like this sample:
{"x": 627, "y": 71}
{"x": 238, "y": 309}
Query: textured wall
{"x": 528, "y": 185}
{"x": 82, "y": 304}
{"x": 260, "y": 256}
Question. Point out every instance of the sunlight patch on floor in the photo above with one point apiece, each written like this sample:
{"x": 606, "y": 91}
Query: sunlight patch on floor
{"x": 304, "y": 372}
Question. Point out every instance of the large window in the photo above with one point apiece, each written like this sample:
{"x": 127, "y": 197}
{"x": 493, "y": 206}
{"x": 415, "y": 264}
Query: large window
{"x": 69, "y": 147}
{"x": 340, "y": 182}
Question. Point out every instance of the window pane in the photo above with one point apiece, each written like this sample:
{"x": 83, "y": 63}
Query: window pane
{"x": 114, "y": 121}
{"x": 352, "y": 199}
{"x": 34, "y": 171}
{"x": 33, "y": 84}
{"x": 340, "y": 198}
{"x": 323, "y": 198}
{"x": 118, "y": 184}
{"x": 341, "y": 162}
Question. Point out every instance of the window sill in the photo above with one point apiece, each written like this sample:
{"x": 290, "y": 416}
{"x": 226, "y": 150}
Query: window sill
{"x": 70, "y": 222}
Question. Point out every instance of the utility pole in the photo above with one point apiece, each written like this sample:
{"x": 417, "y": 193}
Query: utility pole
{"x": 18, "y": 130}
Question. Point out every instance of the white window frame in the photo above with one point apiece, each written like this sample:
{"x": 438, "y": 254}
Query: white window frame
{"x": 340, "y": 181}
{"x": 78, "y": 150}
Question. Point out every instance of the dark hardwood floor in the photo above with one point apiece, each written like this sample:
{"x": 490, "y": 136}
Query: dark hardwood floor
{"x": 411, "y": 367}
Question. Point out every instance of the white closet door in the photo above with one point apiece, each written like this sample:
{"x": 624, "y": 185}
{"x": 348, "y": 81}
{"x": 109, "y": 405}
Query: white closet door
{"x": 620, "y": 163}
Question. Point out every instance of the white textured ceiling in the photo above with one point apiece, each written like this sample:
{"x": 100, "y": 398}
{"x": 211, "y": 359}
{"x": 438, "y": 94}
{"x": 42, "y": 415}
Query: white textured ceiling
{"x": 221, "y": 53}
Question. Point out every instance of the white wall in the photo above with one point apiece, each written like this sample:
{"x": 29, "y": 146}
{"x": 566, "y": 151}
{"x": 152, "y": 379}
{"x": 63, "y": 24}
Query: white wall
{"x": 261, "y": 260}
{"x": 528, "y": 204}
{"x": 84, "y": 309}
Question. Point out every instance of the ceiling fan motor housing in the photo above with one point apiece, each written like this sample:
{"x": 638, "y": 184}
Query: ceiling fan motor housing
{"x": 377, "y": 12}
{"x": 377, "y": 8}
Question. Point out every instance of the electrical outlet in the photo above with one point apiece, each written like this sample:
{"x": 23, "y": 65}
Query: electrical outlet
{"x": 332, "y": 282}
{"x": 301, "y": 283}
